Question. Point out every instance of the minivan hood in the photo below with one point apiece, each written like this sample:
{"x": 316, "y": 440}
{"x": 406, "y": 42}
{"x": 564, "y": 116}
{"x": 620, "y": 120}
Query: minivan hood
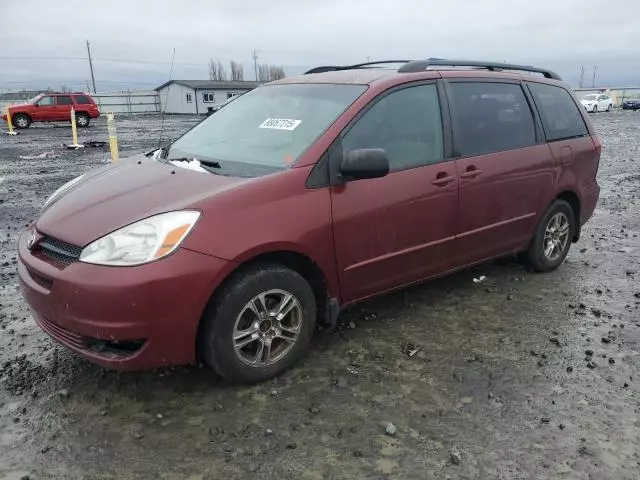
{"x": 115, "y": 196}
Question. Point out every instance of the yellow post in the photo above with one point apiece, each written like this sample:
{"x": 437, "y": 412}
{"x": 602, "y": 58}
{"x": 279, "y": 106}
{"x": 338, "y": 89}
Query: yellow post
{"x": 10, "y": 123}
{"x": 74, "y": 128}
{"x": 113, "y": 138}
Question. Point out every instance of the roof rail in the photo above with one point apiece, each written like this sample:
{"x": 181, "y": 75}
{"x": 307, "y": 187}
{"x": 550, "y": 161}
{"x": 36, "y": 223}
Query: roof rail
{"x": 335, "y": 68}
{"x": 420, "y": 65}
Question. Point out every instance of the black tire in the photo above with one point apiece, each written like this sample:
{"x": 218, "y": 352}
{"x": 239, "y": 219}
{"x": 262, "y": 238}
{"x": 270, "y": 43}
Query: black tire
{"x": 535, "y": 256}
{"x": 82, "y": 120}
{"x": 595, "y": 109}
{"x": 216, "y": 335}
{"x": 21, "y": 120}
{"x": 609, "y": 108}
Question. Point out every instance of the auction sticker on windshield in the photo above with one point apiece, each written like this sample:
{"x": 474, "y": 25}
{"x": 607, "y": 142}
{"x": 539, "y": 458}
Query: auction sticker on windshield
{"x": 281, "y": 123}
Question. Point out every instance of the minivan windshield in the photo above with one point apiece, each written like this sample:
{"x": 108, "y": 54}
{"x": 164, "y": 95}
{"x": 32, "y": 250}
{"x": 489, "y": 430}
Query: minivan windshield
{"x": 265, "y": 130}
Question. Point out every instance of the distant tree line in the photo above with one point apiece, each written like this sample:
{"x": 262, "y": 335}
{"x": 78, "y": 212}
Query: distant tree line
{"x": 265, "y": 73}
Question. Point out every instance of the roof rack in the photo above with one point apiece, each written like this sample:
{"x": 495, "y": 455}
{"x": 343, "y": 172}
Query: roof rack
{"x": 335, "y": 68}
{"x": 421, "y": 65}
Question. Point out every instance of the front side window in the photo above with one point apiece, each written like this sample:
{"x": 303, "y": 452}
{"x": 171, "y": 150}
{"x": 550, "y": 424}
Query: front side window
{"x": 406, "y": 124}
{"x": 64, "y": 100}
{"x": 560, "y": 116}
{"x": 46, "y": 101}
{"x": 490, "y": 117}
{"x": 189, "y": 97}
{"x": 266, "y": 129}
{"x": 208, "y": 98}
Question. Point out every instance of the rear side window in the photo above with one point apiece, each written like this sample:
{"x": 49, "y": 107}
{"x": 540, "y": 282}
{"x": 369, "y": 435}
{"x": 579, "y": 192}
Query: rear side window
{"x": 406, "y": 124}
{"x": 64, "y": 100}
{"x": 490, "y": 117}
{"x": 83, "y": 100}
{"x": 560, "y": 116}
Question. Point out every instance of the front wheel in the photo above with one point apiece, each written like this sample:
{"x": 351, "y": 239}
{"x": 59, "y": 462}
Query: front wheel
{"x": 609, "y": 108}
{"x": 21, "y": 120}
{"x": 595, "y": 109}
{"x": 259, "y": 324}
{"x": 552, "y": 239}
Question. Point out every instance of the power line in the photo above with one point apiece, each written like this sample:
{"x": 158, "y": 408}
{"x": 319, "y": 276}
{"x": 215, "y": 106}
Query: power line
{"x": 115, "y": 60}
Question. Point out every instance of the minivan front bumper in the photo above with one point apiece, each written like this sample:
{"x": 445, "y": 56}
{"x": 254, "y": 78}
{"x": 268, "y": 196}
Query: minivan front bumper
{"x": 125, "y": 318}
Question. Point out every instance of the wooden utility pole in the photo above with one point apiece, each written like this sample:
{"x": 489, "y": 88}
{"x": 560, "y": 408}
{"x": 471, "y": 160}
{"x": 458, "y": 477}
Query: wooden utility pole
{"x": 255, "y": 63}
{"x": 93, "y": 80}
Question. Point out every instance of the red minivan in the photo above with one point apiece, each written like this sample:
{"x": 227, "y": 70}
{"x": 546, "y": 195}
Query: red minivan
{"x": 54, "y": 107}
{"x": 305, "y": 196}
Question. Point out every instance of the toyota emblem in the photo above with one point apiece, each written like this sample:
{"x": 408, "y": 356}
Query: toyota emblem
{"x": 31, "y": 241}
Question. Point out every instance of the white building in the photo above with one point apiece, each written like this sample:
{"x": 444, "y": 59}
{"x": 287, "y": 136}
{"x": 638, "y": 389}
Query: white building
{"x": 198, "y": 96}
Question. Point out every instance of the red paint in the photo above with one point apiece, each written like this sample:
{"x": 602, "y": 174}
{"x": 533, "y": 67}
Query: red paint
{"x": 367, "y": 237}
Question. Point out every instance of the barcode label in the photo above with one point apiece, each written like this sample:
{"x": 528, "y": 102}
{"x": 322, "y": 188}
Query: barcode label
{"x": 280, "y": 123}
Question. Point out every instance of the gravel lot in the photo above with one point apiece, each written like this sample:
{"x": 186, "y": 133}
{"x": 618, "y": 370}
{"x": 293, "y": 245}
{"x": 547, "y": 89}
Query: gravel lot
{"x": 522, "y": 376}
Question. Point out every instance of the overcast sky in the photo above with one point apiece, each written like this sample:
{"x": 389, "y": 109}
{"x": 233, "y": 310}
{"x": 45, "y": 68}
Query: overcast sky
{"x": 43, "y": 41}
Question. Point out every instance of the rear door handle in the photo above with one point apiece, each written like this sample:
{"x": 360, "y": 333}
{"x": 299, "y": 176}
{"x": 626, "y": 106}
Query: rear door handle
{"x": 473, "y": 173}
{"x": 441, "y": 181}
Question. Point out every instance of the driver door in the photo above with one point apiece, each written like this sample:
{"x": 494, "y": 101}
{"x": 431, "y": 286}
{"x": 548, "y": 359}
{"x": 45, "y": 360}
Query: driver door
{"x": 398, "y": 229}
{"x": 45, "y": 110}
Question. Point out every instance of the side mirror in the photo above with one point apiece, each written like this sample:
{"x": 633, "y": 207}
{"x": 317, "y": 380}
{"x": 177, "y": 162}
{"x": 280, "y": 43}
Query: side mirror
{"x": 365, "y": 163}
{"x": 36, "y": 104}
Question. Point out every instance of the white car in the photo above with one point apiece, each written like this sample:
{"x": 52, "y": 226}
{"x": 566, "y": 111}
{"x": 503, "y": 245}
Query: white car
{"x": 597, "y": 103}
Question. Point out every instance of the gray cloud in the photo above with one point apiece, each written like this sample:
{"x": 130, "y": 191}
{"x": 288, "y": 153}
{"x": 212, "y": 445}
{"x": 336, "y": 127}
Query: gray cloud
{"x": 132, "y": 42}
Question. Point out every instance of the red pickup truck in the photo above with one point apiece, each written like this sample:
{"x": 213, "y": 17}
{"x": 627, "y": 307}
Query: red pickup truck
{"x": 54, "y": 107}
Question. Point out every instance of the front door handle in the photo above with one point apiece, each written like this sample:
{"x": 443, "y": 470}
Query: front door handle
{"x": 443, "y": 179}
{"x": 472, "y": 172}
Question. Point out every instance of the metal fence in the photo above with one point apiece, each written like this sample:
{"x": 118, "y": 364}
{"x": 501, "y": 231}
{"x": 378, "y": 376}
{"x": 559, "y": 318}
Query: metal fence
{"x": 129, "y": 102}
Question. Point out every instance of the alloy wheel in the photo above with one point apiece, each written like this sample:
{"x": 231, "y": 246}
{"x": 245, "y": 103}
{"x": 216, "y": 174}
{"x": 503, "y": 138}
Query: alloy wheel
{"x": 556, "y": 236}
{"x": 267, "y": 328}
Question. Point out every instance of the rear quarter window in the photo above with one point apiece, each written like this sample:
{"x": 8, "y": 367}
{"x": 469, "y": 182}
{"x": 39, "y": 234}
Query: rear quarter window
{"x": 560, "y": 116}
{"x": 490, "y": 117}
{"x": 83, "y": 100}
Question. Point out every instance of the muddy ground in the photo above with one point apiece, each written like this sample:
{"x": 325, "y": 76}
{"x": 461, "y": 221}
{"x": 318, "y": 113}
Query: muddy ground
{"x": 522, "y": 376}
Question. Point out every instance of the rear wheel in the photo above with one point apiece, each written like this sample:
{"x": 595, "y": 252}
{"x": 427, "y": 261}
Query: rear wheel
{"x": 21, "y": 120}
{"x": 552, "y": 239}
{"x": 609, "y": 108}
{"x": 259, "y": 324}
{"x": 82, "y": 119}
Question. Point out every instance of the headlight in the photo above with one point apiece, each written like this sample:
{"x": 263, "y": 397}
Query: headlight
{"x": 141, "y": 242}
{"x": 61, "y": 190}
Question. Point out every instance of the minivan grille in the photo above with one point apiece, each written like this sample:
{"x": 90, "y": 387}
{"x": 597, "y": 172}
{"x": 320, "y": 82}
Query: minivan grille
{"x": 60, "y": 251}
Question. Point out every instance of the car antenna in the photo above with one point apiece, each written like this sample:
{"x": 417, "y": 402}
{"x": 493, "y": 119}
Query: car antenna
{"x": 164, "y": 112}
